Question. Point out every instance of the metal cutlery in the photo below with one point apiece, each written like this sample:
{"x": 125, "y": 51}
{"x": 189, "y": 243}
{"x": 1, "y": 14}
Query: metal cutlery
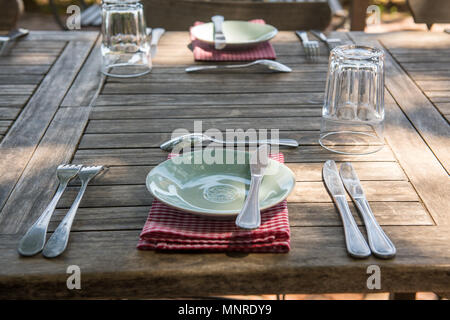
{"x": 269, "y": 64}
{"x": 250, "y": 215}
{"x": 13, "y": 35}
{"x": 58, "y": 241}
{"x": 379, "y": 242}
{"x": 198, "y": 138}
{"x": 330, "y": 42}
{"x": 33, "y": 241}
{"x": 219, "y": 37}
{"x": 311, "y": 46}
{"x": 156, "y": 35}
{"x": 356, "y": 244}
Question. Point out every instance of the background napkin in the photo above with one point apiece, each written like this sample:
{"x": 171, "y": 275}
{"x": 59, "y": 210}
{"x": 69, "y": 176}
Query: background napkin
{"x": 205, "y": 52}
{"x": 170, "y": 229}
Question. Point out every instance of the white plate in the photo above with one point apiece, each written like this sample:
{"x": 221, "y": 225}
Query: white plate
{"x": 238, "y": 34}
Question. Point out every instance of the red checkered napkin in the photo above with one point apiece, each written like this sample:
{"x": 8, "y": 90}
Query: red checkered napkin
{"x": 205, "y": 52}
{"x": 170, "y": 229}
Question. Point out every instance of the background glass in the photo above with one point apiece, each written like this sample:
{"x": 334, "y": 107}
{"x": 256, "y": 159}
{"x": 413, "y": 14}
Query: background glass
{"x": 353, "y": 110}
{"x": 125, "y": 48}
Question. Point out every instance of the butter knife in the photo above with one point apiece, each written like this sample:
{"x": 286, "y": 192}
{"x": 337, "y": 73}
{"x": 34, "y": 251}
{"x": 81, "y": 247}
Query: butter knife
{"x": 219, "y": 37}
{"x": 250, "y": 215}
{"x": 379, "y": 242}
{"x": 356, "y": 244}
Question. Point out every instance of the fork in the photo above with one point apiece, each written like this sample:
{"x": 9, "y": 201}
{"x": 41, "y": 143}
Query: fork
{"x": 59, "y": 239}
{"x": 311, "y": 46}
{"x": 33, "y": 241}
{"x": 330, "y": 42}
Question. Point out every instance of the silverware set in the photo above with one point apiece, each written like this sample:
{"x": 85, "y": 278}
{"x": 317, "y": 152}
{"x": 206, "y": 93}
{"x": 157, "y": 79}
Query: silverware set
{"x": 379, "y": 243}
{"x": 33, "y": 241}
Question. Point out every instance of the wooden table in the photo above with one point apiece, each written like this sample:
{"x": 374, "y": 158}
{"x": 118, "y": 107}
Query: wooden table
{"x": 51, "y": 114}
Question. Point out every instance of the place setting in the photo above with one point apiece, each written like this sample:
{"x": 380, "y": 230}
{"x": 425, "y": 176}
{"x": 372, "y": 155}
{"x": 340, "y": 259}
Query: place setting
{"x": 204, "y": 150}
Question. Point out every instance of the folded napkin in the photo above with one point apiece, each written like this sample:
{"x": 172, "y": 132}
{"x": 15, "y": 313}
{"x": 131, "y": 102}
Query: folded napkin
{"x": 205, "y": 52}
{"x": 170, "y": 229}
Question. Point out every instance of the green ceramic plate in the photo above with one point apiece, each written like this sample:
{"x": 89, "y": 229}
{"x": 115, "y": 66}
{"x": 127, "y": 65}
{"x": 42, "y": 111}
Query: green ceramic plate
{"x": 238, "y": 34}
{"x": 193, "y": 182}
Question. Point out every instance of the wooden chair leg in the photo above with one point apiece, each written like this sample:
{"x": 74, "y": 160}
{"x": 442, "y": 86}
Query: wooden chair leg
{"x": 358, "y": 15}
{"x": 402, "y": 296}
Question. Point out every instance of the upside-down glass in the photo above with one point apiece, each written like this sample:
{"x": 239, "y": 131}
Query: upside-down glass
{"x": 125, "y": 48}
{"x": 353, "y": 110}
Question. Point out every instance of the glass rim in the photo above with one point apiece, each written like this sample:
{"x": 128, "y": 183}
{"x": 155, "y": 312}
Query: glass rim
{"x": 370, "y": 52}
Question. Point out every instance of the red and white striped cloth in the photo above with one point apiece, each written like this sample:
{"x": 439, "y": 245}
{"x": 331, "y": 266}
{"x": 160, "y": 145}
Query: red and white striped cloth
{"x": 205, "y": 52}
{"x": 169, "y": 229}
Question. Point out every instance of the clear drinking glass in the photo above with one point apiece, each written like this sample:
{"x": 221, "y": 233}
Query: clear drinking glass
{"x": 353, "y": 110}
{"x": 125, "y": 48}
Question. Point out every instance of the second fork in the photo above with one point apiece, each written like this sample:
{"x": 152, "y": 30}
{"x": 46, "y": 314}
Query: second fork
{"x": 311, "y": 46}
{"x": 59, "y": 239}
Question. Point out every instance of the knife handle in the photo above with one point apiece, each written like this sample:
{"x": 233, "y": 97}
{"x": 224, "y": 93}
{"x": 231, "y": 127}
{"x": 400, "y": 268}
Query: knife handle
{"x": 356, "y": 244}
{"x": 379, "y": 242}
{"x": 218, "y": 21}
{"x": 250, "y": 215}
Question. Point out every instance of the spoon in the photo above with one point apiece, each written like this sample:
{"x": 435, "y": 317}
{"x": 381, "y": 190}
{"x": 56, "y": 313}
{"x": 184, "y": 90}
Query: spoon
{"x": 269, "y": 64}
{"x": 197, "y": 138}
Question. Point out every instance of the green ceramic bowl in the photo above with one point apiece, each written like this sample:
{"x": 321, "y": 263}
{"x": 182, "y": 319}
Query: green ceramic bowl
{"x": 238, "y": 34}
{"x": 193, "y": 182}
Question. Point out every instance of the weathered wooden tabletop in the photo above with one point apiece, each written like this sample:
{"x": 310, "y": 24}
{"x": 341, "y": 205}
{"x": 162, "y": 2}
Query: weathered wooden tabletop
{"x": 50, "y": 114}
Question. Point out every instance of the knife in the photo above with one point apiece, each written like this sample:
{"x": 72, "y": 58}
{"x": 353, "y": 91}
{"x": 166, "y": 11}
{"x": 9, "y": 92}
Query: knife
{"x": 156, "y": 35}
{"x": 356, "y": 244}
{"x": 219, "y": 37}
{"x": 379, "y": 242}
{"x": 250, "y": 215}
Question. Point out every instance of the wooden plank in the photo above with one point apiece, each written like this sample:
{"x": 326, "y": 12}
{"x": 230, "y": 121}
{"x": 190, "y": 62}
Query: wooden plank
{"x": 20, "y": 78}
{"x": 154, "y": 140}
{"x": 304, "y": 172}
{"x": 89, "y": 81}
{"x": 13, "y": 70}
{"x": 28, "y": 129}
{"x": 428, "y": 74}
{"x": 26, "y": 59}
{"x": 438, "y": 96}
{"x": 169, "y": 125}
{"x": 19, "y": 89}
{"x": 435, "y": 67}
{"x": 212, "y": 87}
{"x": 201, "y": 99}
{"x": 48, "y": 35}
{"x": 234, "y": 111}
{"x": 300, "y": 215}
{"x": 153, "y": 156}
{"x": 434, "y": 85}
{"x": 4, "y": 126}
{"x": 9, "y": 113}
{"x": 302, "y": 270}
{"x": 8, "y": 100}
{"x": 444, "y": 107}
{"x": 310, "y": 191}
{"x": 29, "y": 198}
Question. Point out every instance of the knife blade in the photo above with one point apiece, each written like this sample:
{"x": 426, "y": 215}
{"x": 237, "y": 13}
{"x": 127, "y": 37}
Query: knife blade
{"x": 356, "y": 244}
{"x": 379, "y": 242}
{"x": 250, "y": 216}
{"x": 219, "y": 37}
{"x": 156, "y": 35}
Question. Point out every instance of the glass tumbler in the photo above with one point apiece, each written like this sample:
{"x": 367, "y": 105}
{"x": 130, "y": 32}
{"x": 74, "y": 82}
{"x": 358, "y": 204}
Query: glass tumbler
{"x": 353, "y": 110}
{"x": 125, "y": 48}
